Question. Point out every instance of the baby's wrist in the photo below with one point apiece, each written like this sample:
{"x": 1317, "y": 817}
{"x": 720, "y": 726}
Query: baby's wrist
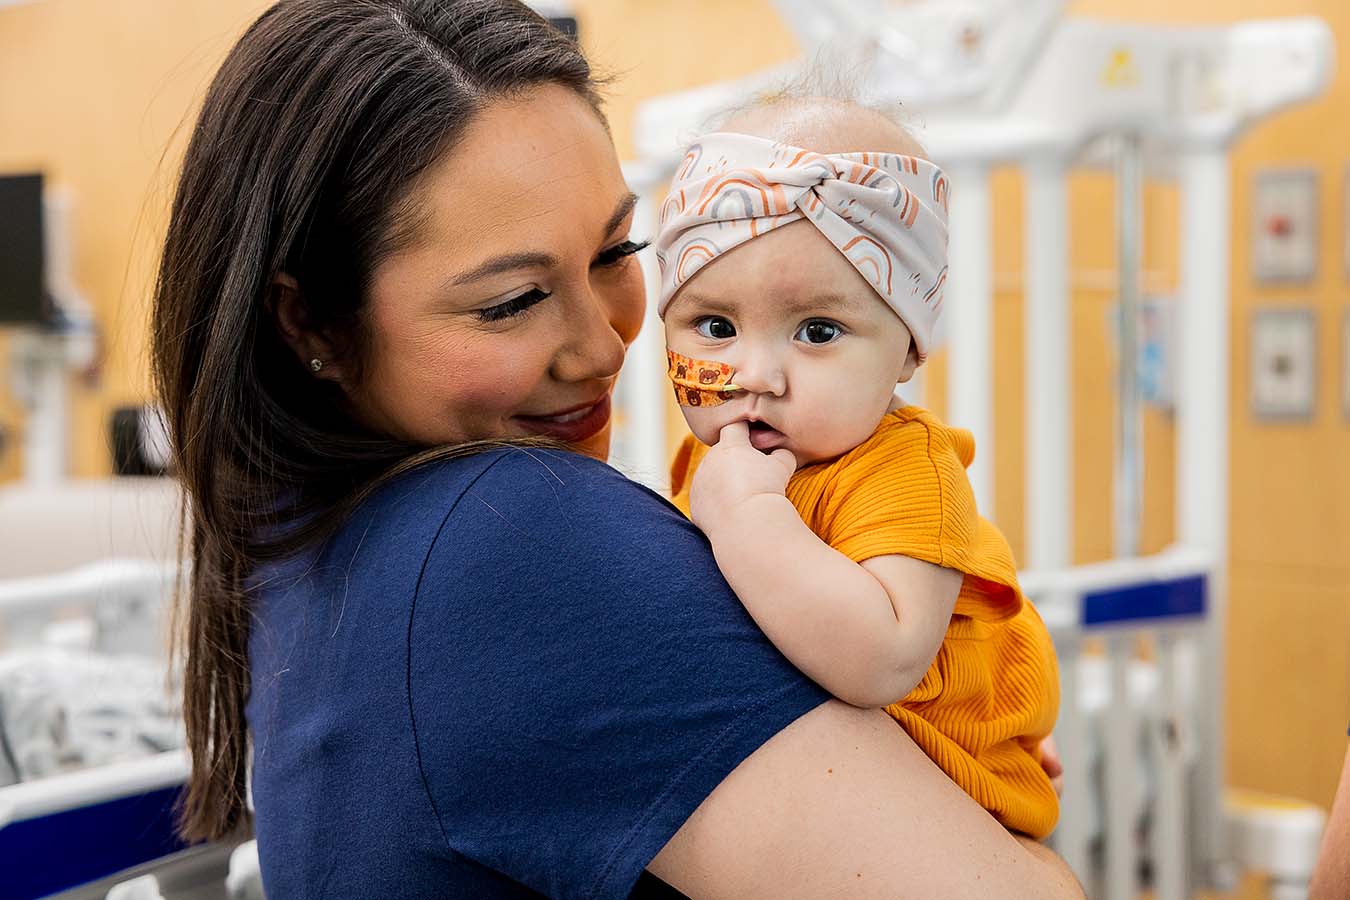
{"x": 731, "y": 521}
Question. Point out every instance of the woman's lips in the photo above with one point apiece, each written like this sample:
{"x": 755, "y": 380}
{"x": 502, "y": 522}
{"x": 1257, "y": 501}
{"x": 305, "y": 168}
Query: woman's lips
{"x": 571, "y": 426}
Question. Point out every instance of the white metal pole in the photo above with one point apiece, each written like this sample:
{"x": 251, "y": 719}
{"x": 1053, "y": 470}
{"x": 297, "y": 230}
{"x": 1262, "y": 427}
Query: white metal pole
{"x": 46, "y": 444}
{"x": 1072, "y": 836}
{"x": 970, "y": 320}
{"x": 1168, "y": 834}
{"x": 1049, "y": 446}
{"x": 1129, "y": 468}
{"x": 644, "y": 451}
{"x": 1202, "y": 450}
{"x": 1119, "y": 758}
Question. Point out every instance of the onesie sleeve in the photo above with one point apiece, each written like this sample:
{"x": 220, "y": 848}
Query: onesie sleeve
{"x": 905, "y": 492}
{"x": 580, "y": 675}
{"x": 682, "y": 467}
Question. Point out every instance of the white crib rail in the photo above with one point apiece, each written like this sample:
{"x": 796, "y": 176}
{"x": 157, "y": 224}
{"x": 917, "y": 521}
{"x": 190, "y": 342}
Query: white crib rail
{"x": 124, "y": 598}
{"x": 1120, "y": 603}
{"x": 73, "y": 790}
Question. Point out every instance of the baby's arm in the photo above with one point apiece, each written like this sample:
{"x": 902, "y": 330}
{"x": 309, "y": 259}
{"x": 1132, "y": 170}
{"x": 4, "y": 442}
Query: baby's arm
{"x": 867, "y": 633}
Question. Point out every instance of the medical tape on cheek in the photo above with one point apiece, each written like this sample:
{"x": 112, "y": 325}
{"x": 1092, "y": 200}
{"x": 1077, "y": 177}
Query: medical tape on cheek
{"x": 700, "y": 382}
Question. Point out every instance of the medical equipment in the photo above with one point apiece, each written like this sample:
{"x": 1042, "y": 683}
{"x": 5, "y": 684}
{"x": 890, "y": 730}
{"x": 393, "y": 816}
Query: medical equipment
{"x": 46, "y": 350}
{"x": 1004, "y": 82}
{"x": 21, "y": 254}
{"x": 74, "y": 826}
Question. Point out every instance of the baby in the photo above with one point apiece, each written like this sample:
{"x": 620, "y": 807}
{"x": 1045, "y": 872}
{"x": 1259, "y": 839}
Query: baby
{"x": 799, "y": 287}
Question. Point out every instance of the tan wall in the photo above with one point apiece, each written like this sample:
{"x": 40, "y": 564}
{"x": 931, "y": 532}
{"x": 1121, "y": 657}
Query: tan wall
{"x": 100, "y": 96}
{"x": 93, "y": 92}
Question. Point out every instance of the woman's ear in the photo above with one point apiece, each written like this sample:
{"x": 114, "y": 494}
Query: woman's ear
{"x": 315, "y": 350}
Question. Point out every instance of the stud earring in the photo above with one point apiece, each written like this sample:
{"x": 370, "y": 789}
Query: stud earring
{"x": 315, "y": 364}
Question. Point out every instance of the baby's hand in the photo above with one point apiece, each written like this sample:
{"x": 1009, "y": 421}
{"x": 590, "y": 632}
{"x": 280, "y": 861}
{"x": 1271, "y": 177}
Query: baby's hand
{"x": 734, "y": 472}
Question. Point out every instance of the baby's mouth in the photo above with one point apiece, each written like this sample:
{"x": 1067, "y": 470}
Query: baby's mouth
{"x": 764, "y": 436}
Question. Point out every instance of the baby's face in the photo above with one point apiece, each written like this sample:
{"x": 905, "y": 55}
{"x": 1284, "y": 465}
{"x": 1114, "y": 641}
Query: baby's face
{"x": 816, "y": 352}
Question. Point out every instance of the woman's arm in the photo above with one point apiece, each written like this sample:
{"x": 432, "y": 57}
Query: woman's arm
{"x": 866, "y": 633}
{"x": 1332, "y": 876}
{"x": 843, "y": 804}
{"x": 581, "y": 680}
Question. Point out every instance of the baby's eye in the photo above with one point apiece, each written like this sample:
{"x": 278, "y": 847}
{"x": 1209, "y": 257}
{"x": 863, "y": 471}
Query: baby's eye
{"x": 819, "y": 331}
{"x": 715, "y": 327}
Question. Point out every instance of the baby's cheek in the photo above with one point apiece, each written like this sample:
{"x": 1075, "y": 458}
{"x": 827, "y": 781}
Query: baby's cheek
{"x": 834, "y": 430}
{"x": 703, "y": 422}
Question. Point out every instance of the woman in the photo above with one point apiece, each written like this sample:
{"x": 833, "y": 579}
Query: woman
{"x": 398, "y": 263}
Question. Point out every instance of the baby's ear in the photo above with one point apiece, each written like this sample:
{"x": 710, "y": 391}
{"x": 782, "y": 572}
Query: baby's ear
{"x": 911, "y": 365}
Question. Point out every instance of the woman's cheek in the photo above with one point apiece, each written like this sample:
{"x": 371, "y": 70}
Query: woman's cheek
{"x": 630, "y": 303}
{"x": 469, "y": 390}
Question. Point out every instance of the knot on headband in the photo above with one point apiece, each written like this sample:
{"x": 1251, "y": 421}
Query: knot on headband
{"x": 886, "y": 213}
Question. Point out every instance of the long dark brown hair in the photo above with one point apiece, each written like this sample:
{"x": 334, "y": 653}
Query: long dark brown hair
{"x": 304, "y": 161}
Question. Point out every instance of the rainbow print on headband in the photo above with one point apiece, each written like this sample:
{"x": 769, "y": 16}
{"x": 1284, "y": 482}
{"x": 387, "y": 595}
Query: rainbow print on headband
{"x": 885, "y": 212}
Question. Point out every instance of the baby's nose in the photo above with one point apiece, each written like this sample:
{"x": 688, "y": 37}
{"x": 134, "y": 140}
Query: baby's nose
{"x": 761, "y": 375}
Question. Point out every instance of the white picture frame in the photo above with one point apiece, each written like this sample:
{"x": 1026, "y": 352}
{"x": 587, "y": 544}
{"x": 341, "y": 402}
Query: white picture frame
{"x": 1284, "y": 363}
{"x": 1285, "y": 226}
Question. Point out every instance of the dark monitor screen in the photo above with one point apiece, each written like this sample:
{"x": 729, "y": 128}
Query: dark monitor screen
{"x": 21, "y": 249}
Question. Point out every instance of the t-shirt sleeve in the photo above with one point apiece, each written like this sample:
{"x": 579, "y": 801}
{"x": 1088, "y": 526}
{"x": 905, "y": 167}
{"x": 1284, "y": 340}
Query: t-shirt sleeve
{"x": 906, "y": 493}
{"x": 682, "y": 467}
{"x": 580, "y": 676}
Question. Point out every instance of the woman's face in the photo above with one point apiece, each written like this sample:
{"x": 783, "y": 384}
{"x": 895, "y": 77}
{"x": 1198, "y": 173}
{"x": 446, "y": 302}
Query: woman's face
{"x": 510, "y": 313}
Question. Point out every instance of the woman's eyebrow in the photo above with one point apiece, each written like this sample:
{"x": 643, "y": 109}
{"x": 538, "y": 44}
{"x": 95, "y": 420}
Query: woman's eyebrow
{"x": 509, "y": 262}
{"x": 626, "y": 204}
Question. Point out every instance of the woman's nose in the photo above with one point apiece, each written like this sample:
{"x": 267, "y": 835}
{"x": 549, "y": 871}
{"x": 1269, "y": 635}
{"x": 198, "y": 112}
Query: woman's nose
{"x": 599, "y": 331}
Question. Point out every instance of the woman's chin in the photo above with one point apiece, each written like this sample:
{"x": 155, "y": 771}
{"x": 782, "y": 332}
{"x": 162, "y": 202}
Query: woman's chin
{"x": 596, "y": 446}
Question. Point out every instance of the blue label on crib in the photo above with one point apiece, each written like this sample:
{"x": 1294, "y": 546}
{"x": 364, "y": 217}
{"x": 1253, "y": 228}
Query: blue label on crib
{"x": 1180, "y": 598}
{"x": 53, "y": 853}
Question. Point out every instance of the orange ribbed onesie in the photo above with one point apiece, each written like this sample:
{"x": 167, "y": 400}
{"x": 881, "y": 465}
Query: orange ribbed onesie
{"x": 992, "y": 693}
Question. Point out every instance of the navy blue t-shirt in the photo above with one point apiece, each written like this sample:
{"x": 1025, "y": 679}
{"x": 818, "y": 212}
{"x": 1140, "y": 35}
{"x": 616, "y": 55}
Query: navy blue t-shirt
{"x": 511, "y": 674}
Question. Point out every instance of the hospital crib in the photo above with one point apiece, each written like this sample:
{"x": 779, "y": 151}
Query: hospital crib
{"x": 1132, "y": 637}
{"x": 88, "y": 573}
{"x": 1129, "y": 735}
{"x": 98, "y": 832}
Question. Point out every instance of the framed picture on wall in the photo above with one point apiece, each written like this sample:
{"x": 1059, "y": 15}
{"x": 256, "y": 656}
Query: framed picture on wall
{"x": 1284, "y": 363}
{"x": 1284, "y": 225}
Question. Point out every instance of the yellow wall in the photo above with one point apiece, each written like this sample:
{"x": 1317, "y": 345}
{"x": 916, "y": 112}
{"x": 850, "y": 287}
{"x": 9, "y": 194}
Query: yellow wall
{"x": 94, "y": 93}
{"x": 100, "y": 96}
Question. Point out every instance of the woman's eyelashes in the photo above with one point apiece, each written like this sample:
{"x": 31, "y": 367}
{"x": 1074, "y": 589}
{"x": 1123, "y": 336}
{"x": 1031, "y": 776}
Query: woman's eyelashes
{"x": 513, "y": 307}
{"x": 523, "y": 302}
{"x": 620, "y": 252}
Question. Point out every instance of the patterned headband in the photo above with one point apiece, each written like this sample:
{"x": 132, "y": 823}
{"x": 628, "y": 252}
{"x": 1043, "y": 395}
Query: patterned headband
{"x": 886, "y": 213}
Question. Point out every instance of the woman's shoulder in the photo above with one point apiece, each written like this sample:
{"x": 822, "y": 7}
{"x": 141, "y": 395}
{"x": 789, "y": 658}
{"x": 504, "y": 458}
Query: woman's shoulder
{"x": 504, "y": 504}
{"x": 522, "y": 481}
{"x": 518, "y": 500}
